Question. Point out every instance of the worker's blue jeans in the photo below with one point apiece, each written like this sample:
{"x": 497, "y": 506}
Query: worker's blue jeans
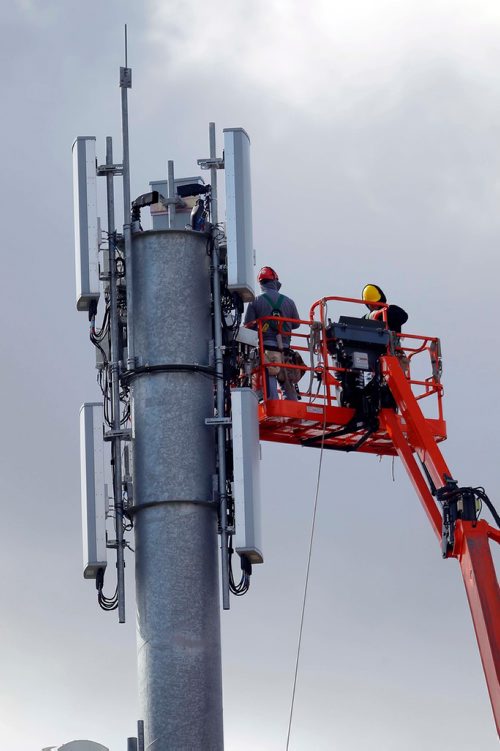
{"x": 271, "y": 386}
{"x": 287, "y": 388}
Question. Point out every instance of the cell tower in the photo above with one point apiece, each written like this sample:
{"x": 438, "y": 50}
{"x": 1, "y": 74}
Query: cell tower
{"x": 172, "y": 450}
{"x": 171, "y": 453}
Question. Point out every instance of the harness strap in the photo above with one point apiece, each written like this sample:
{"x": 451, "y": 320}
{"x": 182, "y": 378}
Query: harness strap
{"x": 275, "y": 311}
{"x": 275, "y": 306}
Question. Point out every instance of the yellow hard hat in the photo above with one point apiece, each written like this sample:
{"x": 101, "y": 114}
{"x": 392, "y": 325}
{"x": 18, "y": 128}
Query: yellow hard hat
{"x": 373, "y": 293}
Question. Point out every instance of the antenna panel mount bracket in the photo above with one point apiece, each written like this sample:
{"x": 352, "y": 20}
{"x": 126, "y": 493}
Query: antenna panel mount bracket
{"x": 125, "y": 78}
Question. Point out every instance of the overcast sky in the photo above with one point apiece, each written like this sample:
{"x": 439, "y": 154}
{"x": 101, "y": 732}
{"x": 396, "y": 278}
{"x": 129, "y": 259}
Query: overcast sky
{"x": 375, "y": 130}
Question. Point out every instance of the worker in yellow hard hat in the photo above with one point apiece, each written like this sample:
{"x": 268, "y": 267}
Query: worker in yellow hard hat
{"x": 372, "y": 293}
{"x": 396, "y": 316}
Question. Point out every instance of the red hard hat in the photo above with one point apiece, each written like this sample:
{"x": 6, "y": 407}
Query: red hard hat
{"x": 267, "y": 274}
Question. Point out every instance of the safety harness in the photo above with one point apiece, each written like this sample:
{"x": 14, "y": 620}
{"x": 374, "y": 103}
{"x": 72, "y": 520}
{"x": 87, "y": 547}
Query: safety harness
{"x": 275, "y": 311}
{"x": 288, "y": 355}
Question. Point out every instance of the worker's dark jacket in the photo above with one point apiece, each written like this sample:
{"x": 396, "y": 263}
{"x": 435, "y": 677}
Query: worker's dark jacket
{"x": 396, "y": 317}
{"x": 260, "y": 308}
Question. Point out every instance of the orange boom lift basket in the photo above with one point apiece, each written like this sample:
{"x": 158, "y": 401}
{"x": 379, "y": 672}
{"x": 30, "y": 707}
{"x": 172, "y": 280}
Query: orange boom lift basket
{"x": 371, "y": 390}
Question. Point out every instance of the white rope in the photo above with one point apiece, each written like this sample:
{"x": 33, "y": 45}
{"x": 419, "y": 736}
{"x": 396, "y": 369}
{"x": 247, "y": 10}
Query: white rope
{"x": 307, "y": 580}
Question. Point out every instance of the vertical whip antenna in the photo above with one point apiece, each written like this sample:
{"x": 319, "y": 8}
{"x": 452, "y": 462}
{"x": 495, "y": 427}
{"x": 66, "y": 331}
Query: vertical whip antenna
{"x": 126, "y": 83}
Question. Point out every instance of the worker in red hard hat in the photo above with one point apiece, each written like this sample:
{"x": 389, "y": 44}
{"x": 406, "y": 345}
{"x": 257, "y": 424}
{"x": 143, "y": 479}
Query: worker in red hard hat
{"x": 276, "y": 336}
{"x": 396, "y": 316}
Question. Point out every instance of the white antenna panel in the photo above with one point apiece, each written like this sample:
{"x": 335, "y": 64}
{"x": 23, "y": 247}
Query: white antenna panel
{"x": 246, "y": 464}
{"x": 94, "y": 500}
{"x": 86, "y": 224}
{"x": 240, "y": 252}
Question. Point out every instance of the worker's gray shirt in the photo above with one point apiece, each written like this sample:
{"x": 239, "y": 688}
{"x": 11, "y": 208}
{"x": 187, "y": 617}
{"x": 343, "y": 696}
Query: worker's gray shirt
{"x": 260, "y": 308}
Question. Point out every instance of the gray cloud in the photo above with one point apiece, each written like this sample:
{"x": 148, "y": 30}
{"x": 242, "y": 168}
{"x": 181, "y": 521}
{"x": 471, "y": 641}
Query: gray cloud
{"x": 374, "y": 156}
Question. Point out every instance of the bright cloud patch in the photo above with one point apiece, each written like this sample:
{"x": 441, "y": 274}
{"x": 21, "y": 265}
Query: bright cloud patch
{"x": 310, "y": 53}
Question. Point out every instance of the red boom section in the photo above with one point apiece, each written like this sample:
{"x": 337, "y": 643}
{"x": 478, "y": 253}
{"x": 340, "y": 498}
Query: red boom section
{"x": 319, "y": 420}
{"x": 471, "y": 545}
